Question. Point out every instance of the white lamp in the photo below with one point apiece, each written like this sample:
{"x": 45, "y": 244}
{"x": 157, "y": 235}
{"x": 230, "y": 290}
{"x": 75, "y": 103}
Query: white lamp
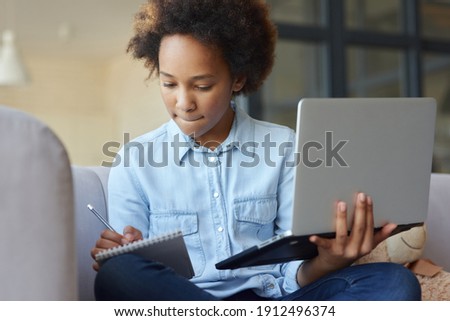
{"x": 12, "y": 71}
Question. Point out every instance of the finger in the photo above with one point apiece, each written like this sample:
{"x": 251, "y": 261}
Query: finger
{"x": 130, "y": 234}
{"x": 384, "y": 233}
{"x": 355, "y": 200}
{"x": 96, "y": 266}
{"x": 111, "y": 236}
{"x": 103, "y": 244}
{"x": 320, "y": 242}
{"x": 108, "y": 239}
{"x": 96, "y": 250}
{"x": 341, "y": 225}
{"x": 368, "y": 243}
{"x": 360, "y": 218}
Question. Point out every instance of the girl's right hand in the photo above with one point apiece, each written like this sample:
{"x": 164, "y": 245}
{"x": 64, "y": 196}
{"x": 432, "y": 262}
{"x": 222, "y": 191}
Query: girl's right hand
{"x": 109, "y": 239}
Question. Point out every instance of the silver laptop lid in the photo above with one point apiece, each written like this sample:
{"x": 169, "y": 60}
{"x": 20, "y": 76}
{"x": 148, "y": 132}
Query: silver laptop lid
{"x": 380, "y": 146}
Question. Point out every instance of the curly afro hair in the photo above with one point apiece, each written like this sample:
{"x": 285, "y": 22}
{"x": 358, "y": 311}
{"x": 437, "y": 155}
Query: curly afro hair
{"x": 240, "y": 29}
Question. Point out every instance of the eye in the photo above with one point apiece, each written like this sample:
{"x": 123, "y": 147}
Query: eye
{"x": 168, "y": 84}
{"x": 203, "y": 88}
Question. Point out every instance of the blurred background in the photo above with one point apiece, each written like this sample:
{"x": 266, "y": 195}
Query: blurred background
{"x": 67, "y": 65}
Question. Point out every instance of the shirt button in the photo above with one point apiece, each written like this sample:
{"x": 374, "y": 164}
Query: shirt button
{"x": 220, "y": 229}
{"x": 212, "y": 159}
{"x": 216, "y": 195}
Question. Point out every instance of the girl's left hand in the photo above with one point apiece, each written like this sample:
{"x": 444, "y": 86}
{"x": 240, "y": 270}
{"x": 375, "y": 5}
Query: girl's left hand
{"x": 347, "y": 247}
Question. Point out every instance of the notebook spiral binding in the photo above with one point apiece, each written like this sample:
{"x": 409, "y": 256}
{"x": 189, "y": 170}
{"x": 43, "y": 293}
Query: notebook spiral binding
{"x": 130, "y": 247}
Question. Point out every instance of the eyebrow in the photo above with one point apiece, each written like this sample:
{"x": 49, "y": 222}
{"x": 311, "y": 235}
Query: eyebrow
{"x": 198, "y": 77}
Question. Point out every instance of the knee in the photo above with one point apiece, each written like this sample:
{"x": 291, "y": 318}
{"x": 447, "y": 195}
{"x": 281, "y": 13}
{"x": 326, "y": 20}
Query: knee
{"x": 401, "y": 283}
{"x": 109, "y": 277}
{"x": 116, "y": 266}
{"x": 118, "y": 276}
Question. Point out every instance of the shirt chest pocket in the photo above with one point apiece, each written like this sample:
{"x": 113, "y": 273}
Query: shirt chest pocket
{"x": 254, "y": 220}
{"x": 163, "y": 222}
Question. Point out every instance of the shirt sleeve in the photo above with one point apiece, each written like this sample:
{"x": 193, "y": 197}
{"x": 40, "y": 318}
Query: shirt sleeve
{"x": 284, "y": 217}
{"x": 289, "y": 270}
{"x": 127, "y": 203}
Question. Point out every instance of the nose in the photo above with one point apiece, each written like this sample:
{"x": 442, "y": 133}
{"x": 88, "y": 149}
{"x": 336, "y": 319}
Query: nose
{"x": 184, "y": 101}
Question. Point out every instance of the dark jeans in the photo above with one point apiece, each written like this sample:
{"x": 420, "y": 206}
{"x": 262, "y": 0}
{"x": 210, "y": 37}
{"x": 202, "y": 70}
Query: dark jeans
{"x": 129, "y": 277}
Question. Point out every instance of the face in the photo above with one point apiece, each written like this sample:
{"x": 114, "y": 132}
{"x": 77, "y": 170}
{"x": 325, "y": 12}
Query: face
{"x": 196, "y": 87}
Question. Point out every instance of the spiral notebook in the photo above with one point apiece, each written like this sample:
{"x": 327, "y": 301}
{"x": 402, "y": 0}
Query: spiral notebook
{"x": 168, "y": 249}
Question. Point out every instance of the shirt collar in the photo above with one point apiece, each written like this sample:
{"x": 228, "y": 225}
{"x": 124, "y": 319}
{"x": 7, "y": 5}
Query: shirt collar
{"x": 244, "y": 129}
{"x": 242, "y": 132}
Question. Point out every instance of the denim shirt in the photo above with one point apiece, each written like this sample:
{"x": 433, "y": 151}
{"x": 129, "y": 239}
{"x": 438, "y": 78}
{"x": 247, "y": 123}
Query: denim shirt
{"x": 223, "y": 200}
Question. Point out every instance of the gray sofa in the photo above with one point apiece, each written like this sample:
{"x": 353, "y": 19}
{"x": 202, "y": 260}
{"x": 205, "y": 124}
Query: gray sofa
{"x": 49, "y": 232}
{"x": 91, "y": 187}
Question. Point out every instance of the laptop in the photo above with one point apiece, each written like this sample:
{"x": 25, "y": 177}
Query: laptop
{"x": 380, "y": 146}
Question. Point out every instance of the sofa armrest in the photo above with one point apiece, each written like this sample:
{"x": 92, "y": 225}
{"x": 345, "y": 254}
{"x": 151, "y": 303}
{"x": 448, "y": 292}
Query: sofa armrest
{"x": 88, "y": 189}
{"x": 36, "y": 212}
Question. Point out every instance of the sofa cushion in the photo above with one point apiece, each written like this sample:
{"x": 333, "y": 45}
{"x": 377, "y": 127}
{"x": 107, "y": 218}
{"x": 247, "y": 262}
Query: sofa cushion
{"x": 438, "y": 221}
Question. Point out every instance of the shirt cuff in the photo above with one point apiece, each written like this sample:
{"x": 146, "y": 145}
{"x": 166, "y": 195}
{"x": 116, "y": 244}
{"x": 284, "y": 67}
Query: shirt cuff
{"x": 290, "y": 276}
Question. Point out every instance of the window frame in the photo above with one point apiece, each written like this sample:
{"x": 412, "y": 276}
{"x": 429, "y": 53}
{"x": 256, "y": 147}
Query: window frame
{"x": 337, "y": 38}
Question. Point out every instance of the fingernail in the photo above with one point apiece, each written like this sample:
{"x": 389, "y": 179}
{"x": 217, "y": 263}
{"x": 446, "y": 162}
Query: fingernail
{"x": 127, "y": 238}
{"x": 362, "y": 197}
{"x": 342, "y": 206}
{"x": 369, "y": 200}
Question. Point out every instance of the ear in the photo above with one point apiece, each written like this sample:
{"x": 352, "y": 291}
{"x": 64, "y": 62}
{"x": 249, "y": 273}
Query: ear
{"x": 239, "y": 83}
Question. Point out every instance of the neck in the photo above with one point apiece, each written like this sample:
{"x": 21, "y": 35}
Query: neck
{"x": 219, "y": 133}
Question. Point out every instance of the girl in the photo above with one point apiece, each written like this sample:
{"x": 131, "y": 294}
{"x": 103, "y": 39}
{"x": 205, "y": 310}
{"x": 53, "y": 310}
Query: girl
{"x": 219, "y": 184}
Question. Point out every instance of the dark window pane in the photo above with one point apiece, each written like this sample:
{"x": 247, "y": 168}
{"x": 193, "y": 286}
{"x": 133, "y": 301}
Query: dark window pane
{"x": 437, "y": 85}
{"x": 435, "y": 19}
{"x": 370, "y": 15}
{"x": 374, "y": 72}
{"x": 309, "y": 12}
{"x": 298, "y": 72}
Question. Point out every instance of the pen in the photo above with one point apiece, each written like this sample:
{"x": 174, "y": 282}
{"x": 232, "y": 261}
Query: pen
{"x": 92, "y": 209}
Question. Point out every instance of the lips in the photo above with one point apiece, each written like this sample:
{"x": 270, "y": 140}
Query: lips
{"x": 189, "y": 119}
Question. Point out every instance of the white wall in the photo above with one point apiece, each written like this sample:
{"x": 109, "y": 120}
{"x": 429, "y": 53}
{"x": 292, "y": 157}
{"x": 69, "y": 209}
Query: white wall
{"x": 135, "y": 100}
{"x": 88, "y": 103}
